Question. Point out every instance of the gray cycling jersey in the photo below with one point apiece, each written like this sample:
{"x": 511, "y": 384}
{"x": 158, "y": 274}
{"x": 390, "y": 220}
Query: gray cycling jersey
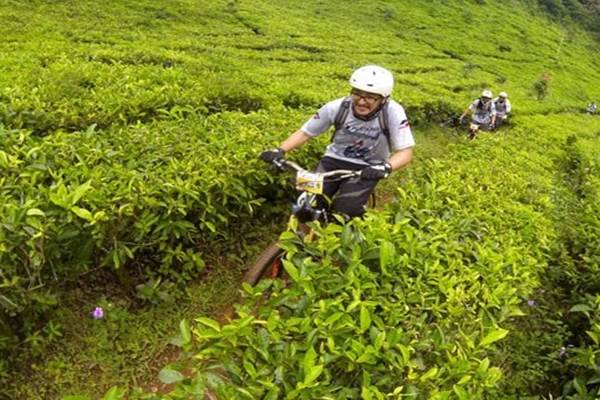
{"x": 359, "y": 141}
{"x": 502, "y": 107}
{"x": 482, "y": 114}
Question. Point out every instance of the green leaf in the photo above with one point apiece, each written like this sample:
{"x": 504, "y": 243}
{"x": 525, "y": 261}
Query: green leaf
{"x": 169, "y": 376}
{"x": 594, "y": 336}
{"x": 273, "y": 393}
{"x": 309, "y": 360}
{"x": 379, "y": 340}
{"x": 353, "y": 305}
{"x": 211, "y": 323}
{"x": 365, "y": 393}
{"x": 333, "y": 317}
{"x": 114, "y": 394}
{"x": 273, "y": 321}
{"x": 313, "y": 374}
{"x": 387, "y": 253}
{"x": 580, "y": 308}
{"x": 483, "y": 366}
{"x": 186, "y": 332}
{"x": 405, "y": 353}
{"x": 211, "y": 227}
{"x": 365, "y": 318}
{"x": 80, "y": 191}
{"x": 579, "y": 385}
{"x": 493, "y": 337}
{"x": 291, "y": 270}
{"x": 460, "y": 392}
{"x": 429, "y": 374}
{"x": 35, "y": 212}
{"x": 82, "y": 213}
{"x": 249, "y": 367}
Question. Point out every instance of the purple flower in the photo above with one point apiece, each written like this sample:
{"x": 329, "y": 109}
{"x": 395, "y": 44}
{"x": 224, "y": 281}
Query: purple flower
{"x": 98, "y": 313}
{"x": 531, "y": 303}
{"x": 562, "y": 352}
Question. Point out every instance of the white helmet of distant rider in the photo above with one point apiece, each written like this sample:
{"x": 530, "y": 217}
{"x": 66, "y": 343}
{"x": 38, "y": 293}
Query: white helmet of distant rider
{"x": 503, "y": 95}
{"x": 486, "y": 95}
{"x": 373, "y": 79}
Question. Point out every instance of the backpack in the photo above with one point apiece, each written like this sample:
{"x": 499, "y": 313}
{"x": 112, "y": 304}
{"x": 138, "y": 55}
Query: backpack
{"x": 481, "y": 106}
{"x": 342, "y": 113}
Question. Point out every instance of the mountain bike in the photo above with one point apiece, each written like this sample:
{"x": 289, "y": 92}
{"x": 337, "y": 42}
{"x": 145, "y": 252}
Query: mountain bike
{"x": 475, "y": 127}
{"x": 308, "y": 206}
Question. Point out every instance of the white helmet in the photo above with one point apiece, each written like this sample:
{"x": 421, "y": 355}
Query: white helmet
{"x": 503, "y": 94}
{"x": 486, "y": 93}
{"x": 373, "y": 79}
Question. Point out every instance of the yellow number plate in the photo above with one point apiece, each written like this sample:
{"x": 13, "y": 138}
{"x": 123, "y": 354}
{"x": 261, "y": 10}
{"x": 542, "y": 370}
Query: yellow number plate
{"x": 309, "y": 182}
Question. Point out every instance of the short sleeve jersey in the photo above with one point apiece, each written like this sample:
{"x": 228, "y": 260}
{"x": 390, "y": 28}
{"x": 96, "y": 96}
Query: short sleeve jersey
{"x": 359, "y": 141}
{"x": 502, "y": 107}
{"x": 482, "y": 114}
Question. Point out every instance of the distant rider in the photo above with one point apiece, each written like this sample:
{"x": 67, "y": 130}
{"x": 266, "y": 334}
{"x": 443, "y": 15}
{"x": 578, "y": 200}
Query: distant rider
{"x": 372, "y": 134}
{"x": 503, "y": 108}
{"x": 592, "y": 108}
{"x": 484, "y": 112}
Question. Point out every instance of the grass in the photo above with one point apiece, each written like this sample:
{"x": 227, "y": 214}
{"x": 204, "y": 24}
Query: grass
{"x": 128, "y": 347}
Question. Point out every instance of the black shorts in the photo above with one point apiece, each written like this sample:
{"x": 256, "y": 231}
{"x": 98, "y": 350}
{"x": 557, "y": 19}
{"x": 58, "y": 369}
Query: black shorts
{"x": 348, "y": 196}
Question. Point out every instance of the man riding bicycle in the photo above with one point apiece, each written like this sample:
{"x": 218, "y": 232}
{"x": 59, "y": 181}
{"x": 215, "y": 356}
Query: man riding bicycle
{"x": 503, "y": 108}
{"x": 372, "y": 134}
{"x": 484, "y": 112}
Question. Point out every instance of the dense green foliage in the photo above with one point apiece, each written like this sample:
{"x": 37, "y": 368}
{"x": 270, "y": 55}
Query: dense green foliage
{"x": 585, "y": 12}
{"x": 128, "y": 141}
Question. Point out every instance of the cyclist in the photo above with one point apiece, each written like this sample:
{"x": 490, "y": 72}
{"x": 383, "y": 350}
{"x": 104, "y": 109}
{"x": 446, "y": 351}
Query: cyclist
{"x": 503, "y": 108}
{"x": 592, "y": 108}
{"x": 484, "y": 112}
{"x": 372, "y": 134}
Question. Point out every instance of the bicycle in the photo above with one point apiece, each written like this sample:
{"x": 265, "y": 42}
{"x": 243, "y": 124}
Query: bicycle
{"x": 475, "y": 127}
{"x": 307, "y": 207}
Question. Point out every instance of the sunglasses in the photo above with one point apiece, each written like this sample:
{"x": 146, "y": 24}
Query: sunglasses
{"x": 367, "y": 97}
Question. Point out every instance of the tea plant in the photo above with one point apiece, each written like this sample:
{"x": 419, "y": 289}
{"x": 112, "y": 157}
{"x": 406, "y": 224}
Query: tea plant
{"x": 128, "y": 142}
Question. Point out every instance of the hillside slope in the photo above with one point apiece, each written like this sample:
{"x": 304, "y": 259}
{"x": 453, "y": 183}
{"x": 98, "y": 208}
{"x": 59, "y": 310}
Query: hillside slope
{"x": 124, "y": 126}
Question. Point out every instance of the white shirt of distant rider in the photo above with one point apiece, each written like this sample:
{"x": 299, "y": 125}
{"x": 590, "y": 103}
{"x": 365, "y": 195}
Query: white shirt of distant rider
{"x": 359, "y": 141}
{"x": 482, "y": 114}
{"x": 502, "y": 107}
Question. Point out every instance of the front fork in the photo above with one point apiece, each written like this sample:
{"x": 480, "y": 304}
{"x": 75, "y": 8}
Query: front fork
{"x": 473, "y": 128}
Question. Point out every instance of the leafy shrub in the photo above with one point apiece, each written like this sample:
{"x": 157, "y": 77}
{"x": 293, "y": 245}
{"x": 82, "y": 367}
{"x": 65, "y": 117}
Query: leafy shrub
{"x": 410, "y": 301}
{"x": 143, "y": 204}
{"x": 541, "y": 86}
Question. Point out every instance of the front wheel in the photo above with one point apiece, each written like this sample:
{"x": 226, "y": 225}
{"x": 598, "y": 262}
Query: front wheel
{"x": 267, "y": 265}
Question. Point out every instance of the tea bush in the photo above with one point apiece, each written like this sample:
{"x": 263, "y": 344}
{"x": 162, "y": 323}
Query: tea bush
{"x": 407, "y": 302}
{"x": 77, "y": 201}
{"x": 129, "y": 134}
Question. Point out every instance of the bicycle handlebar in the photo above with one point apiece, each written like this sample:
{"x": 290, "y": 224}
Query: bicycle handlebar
{"x": 338, "y": 173}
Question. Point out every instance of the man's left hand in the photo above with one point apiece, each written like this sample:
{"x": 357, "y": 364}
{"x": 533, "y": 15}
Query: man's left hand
{"x": 376, "y": 172}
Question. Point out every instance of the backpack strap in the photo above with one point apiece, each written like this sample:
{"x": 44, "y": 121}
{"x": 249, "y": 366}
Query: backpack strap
{"x": 383, "y": 119}
{"x": 341, "y": 115}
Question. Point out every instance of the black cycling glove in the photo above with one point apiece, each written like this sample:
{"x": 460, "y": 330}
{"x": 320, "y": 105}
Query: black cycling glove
{"x": 272, "y": 155}
{"x": 376, "y": 172}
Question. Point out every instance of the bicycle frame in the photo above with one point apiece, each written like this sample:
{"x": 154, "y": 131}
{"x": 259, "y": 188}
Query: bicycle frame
{"x": 311, "y": 185}
{"x": 268, "y": 264}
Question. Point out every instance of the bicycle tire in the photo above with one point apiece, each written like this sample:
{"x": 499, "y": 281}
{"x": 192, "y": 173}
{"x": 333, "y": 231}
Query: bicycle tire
{"x": 266, "y": 265}
{"x": 372, "y": 202}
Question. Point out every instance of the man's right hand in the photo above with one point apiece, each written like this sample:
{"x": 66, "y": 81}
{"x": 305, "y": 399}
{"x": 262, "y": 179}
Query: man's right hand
{"x": 272, "y": 155}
